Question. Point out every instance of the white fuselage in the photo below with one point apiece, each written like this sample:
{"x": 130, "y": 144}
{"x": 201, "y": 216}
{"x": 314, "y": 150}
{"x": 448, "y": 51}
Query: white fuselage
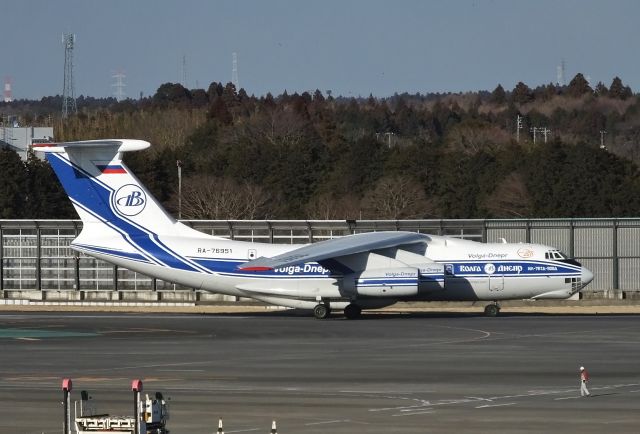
{"x": 469, "y": 271}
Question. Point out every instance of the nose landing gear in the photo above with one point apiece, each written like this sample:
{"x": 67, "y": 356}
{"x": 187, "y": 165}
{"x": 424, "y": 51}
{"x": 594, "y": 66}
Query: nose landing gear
{"x": 492, "y": 309}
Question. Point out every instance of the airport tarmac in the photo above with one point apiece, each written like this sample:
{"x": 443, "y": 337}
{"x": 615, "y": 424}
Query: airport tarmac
{"x": 386, "y": 373}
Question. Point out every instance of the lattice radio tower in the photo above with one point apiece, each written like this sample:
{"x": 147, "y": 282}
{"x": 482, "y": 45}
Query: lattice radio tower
{"x": 234, "y": 72}
{"x": 7, "y": 95}
{"x": 68, "y": 89}
{"x": 119, "y": 85}
{"x": 560, "y": 73}
{"x": 184, "y": 70}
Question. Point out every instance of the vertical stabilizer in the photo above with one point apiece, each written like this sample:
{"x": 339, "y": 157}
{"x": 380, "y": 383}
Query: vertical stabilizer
{"x": 102, "y": 189}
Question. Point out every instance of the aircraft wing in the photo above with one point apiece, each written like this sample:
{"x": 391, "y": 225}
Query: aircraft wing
{"x": 324, "y": 252}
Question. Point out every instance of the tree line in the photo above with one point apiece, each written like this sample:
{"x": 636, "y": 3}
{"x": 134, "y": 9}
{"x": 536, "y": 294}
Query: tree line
{"x": 312, "y": 155}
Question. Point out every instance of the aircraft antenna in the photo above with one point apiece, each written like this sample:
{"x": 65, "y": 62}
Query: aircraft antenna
{"x": 68, "y": 89}
{"x": 234, "y": 71}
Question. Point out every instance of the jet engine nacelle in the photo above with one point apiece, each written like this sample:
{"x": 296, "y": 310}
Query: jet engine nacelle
{"x": 384, "y": 282}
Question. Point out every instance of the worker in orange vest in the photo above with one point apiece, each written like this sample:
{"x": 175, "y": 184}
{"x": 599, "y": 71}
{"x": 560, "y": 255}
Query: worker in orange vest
{"x": 584, "y": 378}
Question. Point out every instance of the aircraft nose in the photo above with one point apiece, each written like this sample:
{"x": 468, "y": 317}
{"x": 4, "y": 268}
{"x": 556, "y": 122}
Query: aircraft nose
{"x": 587, "y": 276}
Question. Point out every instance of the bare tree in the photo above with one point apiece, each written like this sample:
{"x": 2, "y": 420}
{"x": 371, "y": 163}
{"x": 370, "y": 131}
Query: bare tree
{"x": 510, "y": 198}
{"x": 470, "y": 137}
{"x": 207, "y": 197}
{"x": 326, "y": 206}
{"x": 397, "y": 197}
{"x": 280, "y": 126}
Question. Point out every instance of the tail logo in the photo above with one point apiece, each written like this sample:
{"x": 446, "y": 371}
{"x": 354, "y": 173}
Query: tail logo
{"x": 129, "y": 200}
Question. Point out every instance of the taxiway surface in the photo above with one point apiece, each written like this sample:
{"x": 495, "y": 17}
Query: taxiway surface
{"x": 386, "y": 373}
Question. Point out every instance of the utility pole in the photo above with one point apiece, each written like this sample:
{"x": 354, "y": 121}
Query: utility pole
{"x": 518, "y": 127}
{"x": 602, "y": 133}
{"x": 534, "y": 130}
{"x": 389, "y": 138}
{"x": 545, "y": 131}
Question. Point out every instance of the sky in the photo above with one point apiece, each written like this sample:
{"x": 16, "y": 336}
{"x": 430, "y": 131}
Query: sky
{"x": 351, "y": 47}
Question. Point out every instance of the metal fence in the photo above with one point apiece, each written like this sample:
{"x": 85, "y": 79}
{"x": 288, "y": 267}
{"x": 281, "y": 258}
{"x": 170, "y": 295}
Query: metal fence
{"x": 35, "y": 254}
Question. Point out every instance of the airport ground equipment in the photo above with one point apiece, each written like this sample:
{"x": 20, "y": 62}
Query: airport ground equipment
{"x": 150, "y": 415}
{"x": 66, "y": 391}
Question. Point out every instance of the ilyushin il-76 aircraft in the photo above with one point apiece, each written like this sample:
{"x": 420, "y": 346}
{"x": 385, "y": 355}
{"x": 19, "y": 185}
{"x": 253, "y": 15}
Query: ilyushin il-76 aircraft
{"x": 125, "y": 225}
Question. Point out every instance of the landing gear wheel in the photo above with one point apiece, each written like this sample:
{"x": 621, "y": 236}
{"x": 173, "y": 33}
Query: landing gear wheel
{"x": 492, "y": 310}
{"x": 352, "y": 311}
{"x": 321, "y": 311}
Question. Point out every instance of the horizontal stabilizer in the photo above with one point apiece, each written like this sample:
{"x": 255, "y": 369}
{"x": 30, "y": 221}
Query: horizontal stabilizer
{"x": 118, "y": 145}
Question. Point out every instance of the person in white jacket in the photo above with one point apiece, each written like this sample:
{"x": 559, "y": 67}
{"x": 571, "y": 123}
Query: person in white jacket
{"x": 584, "y": 378}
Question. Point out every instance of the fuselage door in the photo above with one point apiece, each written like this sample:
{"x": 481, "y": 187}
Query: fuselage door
{"x": 496, "y": 283}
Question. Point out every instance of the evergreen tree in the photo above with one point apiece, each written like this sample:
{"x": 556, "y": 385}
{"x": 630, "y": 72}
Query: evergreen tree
{"x": 172, "y": 94}
{"x": 46, "y": 199}
{"x": 498, "y": 96}
{"x": 13, "y": 179}
{"x": 521, "y": 94}
{"x": 601, "y": 89}
{"x": 578, "y": 86}
{"x": 619, "y": 90}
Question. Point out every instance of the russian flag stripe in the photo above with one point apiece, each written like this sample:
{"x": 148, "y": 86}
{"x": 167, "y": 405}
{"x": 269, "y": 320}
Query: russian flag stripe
{"x": 112, "y": 169}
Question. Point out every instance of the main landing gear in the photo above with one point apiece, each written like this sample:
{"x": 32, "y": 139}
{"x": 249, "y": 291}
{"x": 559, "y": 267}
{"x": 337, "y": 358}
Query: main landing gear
{"x": 352, "y": 311}
{"x": 492, "y": 309}
{"x": 322, "y": 310}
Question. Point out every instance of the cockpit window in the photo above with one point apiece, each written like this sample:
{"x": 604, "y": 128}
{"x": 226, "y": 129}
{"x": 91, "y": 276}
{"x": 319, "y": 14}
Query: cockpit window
{"x": 555, "y": 254}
